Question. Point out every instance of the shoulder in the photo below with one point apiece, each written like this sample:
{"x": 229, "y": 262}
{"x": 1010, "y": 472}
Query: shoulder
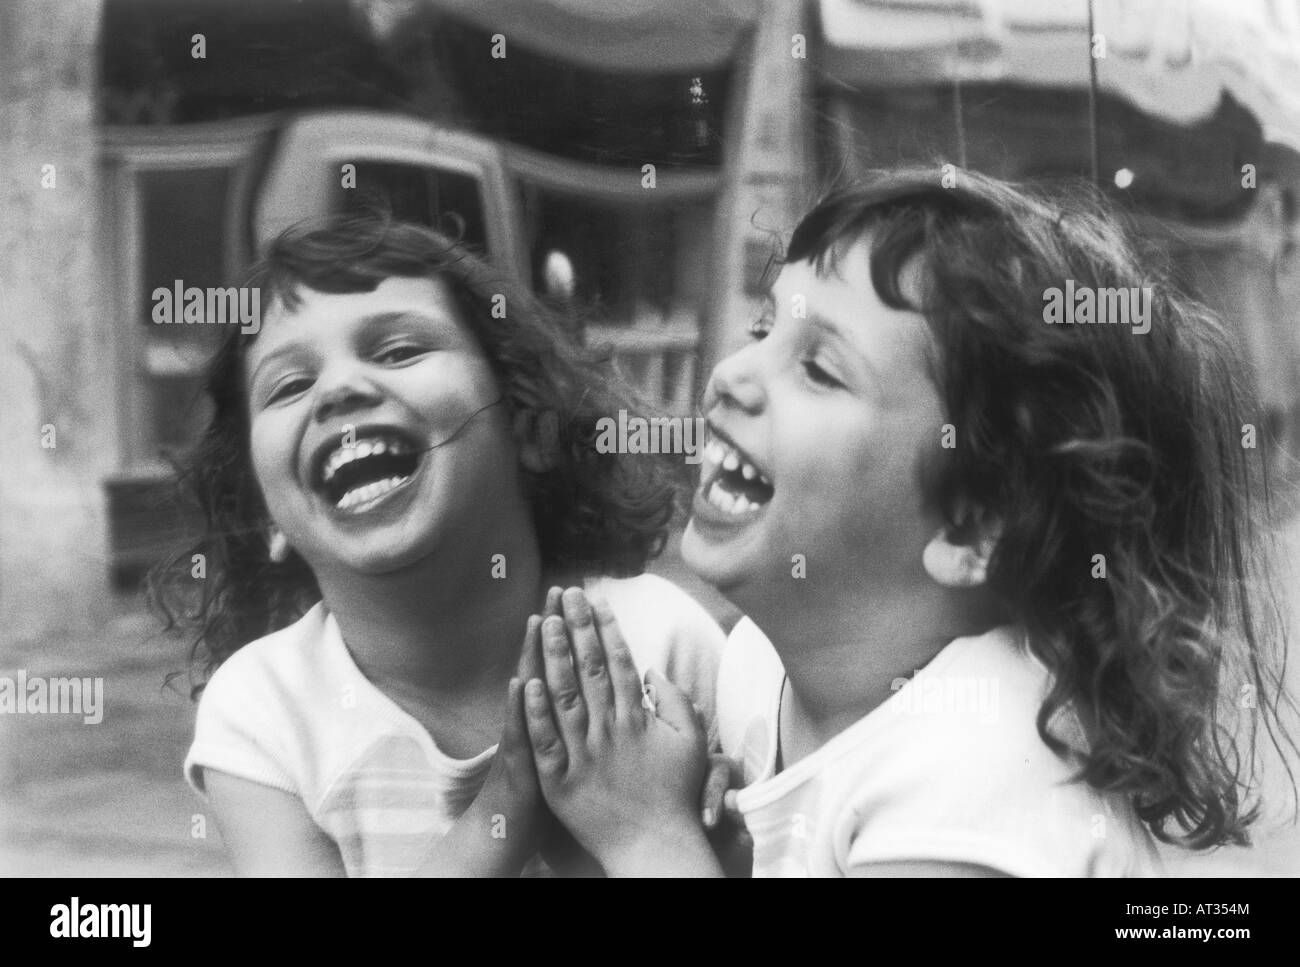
{"x": 258, "y": 704}
{"x": 982, "y": 694}
{"x": 970, "y": 719}
{"x": 660, "y": 614}
{"x": 271, "y": 664}
{"x": 667, "y": 630}
{"x": 958, "y": 772}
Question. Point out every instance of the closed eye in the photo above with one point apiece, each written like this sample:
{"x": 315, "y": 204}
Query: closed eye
{"x": 399, "y": 353}
{"x": 289, "y": 387}
{"x": 819, "y": 375}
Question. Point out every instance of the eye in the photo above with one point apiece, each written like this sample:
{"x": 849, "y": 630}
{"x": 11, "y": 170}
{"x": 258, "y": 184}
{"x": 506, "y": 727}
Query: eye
{"x": 819, "y": 375}
{"x": 760, "y": 327}
{"x": 399, "y": 352}
{"x": 288, "y": 387}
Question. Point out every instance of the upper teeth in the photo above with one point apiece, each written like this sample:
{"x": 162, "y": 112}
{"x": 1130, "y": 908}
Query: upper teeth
{"x": 360, "y": 449}
{"x": 719, "y": 453}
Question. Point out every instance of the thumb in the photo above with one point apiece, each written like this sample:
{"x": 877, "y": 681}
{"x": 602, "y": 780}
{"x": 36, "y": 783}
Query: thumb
{"x": 672, "y": 705}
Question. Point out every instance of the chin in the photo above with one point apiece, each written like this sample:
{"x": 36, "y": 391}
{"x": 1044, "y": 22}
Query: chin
{"x": 717, "y": 565}
{"x": 377, "y": 557}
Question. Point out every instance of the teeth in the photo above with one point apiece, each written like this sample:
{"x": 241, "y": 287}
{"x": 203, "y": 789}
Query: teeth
{"x": 371, "y": 491}
{"x": 720, "y": 498}
{"x": 736, "y": 504}
{"x": 369, "y": 447}
{"x": 719, "y": 454}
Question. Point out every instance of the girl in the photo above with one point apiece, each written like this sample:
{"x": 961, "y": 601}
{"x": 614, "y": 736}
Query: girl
{"x": 397, "y": 466}
{"x": 1013, "y": 589}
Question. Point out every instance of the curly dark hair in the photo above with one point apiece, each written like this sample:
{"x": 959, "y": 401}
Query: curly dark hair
{"x": 1095, "y": 439}
{"x": 595, "y": 513}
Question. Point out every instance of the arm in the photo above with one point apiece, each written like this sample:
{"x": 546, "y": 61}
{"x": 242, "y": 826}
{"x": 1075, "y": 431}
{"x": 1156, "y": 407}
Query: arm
{"x": 268, "y": 832}
{"x": 624, "y": 779}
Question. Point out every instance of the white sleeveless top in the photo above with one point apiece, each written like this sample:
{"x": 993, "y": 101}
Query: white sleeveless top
{"x": 949, "y": 769}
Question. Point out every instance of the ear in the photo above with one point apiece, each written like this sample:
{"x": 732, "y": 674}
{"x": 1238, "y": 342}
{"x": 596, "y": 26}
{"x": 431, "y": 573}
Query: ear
{"x": 277, "y": 545}
{"x": 961, "y": 564}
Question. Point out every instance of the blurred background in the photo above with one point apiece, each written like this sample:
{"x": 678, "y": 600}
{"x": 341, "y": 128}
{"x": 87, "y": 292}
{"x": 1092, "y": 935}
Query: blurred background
{"x": 145, "y": 141}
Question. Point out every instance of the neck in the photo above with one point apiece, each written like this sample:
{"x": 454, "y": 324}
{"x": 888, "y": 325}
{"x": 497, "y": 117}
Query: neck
{"x": 440, "y": 627}
{"x": 862, "y": 643}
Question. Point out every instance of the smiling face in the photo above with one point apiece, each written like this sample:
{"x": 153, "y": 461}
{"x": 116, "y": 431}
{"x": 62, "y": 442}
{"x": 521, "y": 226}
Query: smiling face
{"x": 347, "y": 395}
{"x": 818, "y": 428}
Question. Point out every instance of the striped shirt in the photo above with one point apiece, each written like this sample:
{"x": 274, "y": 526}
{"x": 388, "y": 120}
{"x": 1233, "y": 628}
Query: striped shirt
{"x": 292, "y": 711}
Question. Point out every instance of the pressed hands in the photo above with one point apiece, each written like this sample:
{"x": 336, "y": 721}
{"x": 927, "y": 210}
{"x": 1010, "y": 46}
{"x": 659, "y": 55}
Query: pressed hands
{"x": 634, "y": 785}
{"x": 623, "y": 778}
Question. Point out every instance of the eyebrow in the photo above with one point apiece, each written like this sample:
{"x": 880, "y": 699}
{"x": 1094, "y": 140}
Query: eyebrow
{"x": 373, "y": 319}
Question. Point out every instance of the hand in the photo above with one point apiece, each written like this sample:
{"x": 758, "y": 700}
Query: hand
{"x": 505, "y": 824}
{"x": 723, "y": 821}
{"x": 732, "y": 841}
{"x": 721, "y": 776}
{"x": 624, "y": 780}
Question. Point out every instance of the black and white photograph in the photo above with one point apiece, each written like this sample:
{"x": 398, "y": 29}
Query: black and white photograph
{"x": 651, "y": 438}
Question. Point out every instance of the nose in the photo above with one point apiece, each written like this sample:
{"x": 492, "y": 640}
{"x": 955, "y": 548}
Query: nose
{"x": 734, "y": 382}
{"x": 342, "y": 387}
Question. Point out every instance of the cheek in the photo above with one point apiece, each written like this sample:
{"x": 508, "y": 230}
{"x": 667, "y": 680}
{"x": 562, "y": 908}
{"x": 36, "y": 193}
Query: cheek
{"x": 269, "y": 450}
{"x": 451, "y": 390}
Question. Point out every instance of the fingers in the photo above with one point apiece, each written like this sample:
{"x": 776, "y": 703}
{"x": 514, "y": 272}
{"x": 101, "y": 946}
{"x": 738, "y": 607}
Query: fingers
{"x": 624, "y": 679}
{"x": 674, "y": 707}
{"x": 588, "y": 656}
{"x": 731, "y": 806}
{"x": 552, "y": 605}
{"x": 716, "y": 784}
{"x": 549, "y": 754}
{"x": 514, "y": 737}
{"x": 515, "y": 750}
{"x": 530, "y": 660}
{"x": 568, "y": 705}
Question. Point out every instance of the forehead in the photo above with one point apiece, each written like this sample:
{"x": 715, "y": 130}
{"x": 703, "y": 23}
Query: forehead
{"x": 320, "y": 316}
{"x": 843, "y": 297}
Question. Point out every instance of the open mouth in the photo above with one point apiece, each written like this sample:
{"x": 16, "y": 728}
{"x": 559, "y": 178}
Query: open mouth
{"x": 730, "y": 480}
{"x": 372, "y": 466}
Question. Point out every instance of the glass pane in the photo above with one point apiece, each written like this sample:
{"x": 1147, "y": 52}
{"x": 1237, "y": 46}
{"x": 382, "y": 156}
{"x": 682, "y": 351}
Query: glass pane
{"x": 603, "y": 117}
{"x": 182, "y": 213}
{"x": 448, "y": 201}
{"x": 635, "y": 264}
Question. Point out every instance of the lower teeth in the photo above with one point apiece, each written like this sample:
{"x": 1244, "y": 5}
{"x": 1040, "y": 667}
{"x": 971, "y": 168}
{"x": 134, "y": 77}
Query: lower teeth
{"x": 729, "y": 502}
{"x": 369, "y": 492}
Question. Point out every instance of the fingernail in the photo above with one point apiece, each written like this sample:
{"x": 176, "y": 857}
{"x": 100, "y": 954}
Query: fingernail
{"x": 709, "y": 816}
